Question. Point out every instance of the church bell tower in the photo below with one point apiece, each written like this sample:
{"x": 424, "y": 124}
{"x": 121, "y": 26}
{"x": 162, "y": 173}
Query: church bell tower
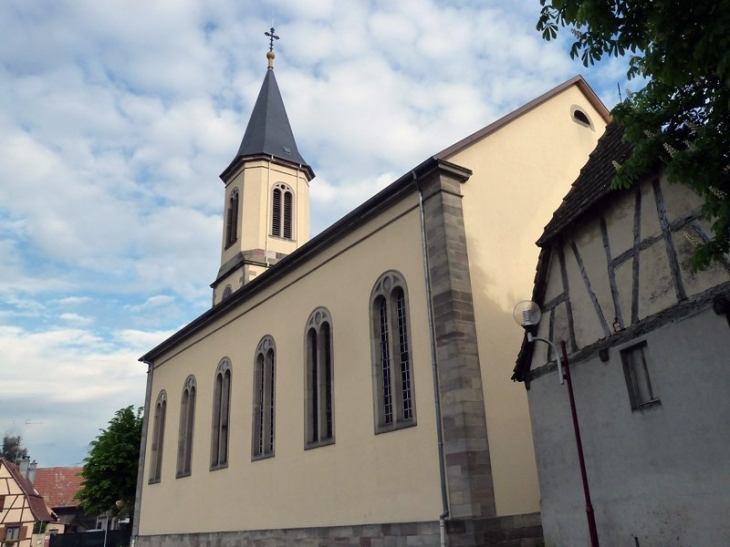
{"x": 266, "y": 210}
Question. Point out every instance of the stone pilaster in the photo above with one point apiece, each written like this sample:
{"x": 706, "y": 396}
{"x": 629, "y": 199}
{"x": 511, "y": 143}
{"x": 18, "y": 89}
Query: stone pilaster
{"x": 466, "y": 447}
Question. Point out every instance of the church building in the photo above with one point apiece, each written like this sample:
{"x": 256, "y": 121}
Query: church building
{"x": 354, "y": 388}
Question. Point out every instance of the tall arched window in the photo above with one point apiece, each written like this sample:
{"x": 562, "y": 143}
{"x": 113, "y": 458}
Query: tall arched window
{"x": 187, "y": 421}
{"x": 158, "y": 437}
{"x": 221, "y": 415}
{"x": 263, "y": 410}
{"x": 319, "y": 412}
{"x": 282, "y": 210}
{"x": 232, "y": 218}
{"x": 392, "y": 367}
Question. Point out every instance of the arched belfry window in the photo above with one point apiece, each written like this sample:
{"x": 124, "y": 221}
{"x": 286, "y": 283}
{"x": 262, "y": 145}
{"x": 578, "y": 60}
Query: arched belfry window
{"x": 187, "y": 420}
{"x": 394, "y": 398}
{"x": 263, "y": 407}
{"x": 158, "y": 437}
{"x": 232, "y": 218}
{"x": 221, "y": 414}
{"x": 319, "y": 405}
{"x": 282, "y": 211}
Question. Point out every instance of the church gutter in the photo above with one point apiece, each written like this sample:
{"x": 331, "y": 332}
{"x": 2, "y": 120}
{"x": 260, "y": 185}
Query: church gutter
{"x": 434, "y": 368}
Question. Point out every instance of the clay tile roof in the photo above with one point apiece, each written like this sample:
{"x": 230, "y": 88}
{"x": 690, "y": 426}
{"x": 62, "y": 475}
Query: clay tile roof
{"x": 59, "y": 485}
{"x": 593, "y": 183}
{"x": 35, "y": 500}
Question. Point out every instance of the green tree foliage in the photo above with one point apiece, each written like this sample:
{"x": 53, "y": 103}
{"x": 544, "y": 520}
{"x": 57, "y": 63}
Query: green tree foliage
{"x": 682, "y": 116}
{"x": 12, "y": 449}
{"x": 110, "y": 469}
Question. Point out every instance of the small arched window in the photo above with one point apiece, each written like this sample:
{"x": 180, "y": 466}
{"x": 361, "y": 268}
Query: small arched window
{"x": 232, "y": 218}
{"x": 187, "y": 421}
{"x": 227, "y": 292}
{"x": 319, "y": 414}
{"x": 579, "y": 116}
{"x": 395, "y": 405}
{"x": 221, "y": 415}
{"x": 158, "y": 437}
{"x": 263, "y": 409}
{"x": 282, "y": 210}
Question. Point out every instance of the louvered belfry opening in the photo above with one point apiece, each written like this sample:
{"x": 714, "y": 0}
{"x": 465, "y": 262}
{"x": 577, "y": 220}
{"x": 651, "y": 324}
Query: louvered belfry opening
{"x": 276, "y": 213}
{"x": 282, "y": 205}
{"x": 287, "y": 214}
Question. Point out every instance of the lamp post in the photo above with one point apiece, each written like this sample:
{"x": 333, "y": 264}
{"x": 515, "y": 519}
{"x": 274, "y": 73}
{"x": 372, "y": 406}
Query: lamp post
{"x": 527, "y": 314}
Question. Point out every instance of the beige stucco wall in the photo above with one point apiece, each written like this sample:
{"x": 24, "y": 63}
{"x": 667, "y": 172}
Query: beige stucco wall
{"x": 362, "y": 478}
{"x": 521, "y": 173}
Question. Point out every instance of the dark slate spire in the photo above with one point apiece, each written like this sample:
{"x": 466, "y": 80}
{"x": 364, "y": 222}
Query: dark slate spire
{"x": 268, "y": 131}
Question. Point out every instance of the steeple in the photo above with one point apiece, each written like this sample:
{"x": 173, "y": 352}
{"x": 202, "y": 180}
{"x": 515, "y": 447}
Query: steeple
{"x": 268, "y": 131}
{"x": 266, "y": 208}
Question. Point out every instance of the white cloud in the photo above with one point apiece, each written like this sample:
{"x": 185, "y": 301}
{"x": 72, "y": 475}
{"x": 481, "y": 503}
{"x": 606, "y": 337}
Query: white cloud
{"x": 116, "y": 119}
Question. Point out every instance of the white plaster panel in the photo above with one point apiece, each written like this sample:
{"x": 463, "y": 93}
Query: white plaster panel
{"x": 679, "y": 199}
{"x": 695, "y": 283}
{"x": 656, "y": 287}
{"x": 554, "y": 286}
{"x": 658, "y": 474}
{"x": 624, "y": 282}
{"x": 585, "y": 321}
{"x": 593, "y": 253}
{"x": 649, "y": 225}
{"x": 620, "y": 223}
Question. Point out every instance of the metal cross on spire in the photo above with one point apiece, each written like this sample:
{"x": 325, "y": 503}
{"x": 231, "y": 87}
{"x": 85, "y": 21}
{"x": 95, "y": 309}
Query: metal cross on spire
{"x": 272, "y": 37}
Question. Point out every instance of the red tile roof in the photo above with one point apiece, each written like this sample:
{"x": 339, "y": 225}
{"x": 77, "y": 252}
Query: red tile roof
{"x": 35, "y": 500}
{"x": 58, "y": 485}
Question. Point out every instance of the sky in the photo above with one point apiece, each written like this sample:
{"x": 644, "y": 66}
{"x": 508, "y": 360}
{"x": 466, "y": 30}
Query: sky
{"x": 117, "y": 118}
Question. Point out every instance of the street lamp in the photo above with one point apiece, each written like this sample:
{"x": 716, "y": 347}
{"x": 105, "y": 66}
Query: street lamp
{"x": 527, "y": 314}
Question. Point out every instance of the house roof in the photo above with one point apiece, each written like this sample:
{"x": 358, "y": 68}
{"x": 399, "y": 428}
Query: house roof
{"x": 593, "y": 183}
{"x": 58, "y": 485}
{"x": 505, "y": 120}
{"x": 35, "y": 501}
{"x": 268, "y": 131}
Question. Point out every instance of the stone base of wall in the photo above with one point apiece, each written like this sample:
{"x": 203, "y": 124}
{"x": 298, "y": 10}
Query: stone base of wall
{"x": 513, "y": 531}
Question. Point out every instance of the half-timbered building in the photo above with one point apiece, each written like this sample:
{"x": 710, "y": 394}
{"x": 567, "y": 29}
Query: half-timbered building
{"x": 648, "y": 343}
{"x": 24, "y": 516}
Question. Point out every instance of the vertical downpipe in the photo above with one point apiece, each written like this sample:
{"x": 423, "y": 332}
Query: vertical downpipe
{"x": 434, "y": 369}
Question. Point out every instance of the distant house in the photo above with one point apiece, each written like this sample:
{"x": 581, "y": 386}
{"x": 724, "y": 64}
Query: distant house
{"x": 648, "y": 343}
{"x": 24, "y": 516}
{"x": 58, "y": 486}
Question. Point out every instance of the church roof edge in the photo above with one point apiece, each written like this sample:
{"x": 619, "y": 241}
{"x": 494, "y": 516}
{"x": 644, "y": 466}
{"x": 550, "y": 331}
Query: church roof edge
{"x": 508, "y": 118}
{"x": 358, "y": 216}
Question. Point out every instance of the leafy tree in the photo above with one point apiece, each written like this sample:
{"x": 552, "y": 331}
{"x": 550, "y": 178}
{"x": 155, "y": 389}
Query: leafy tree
{"x": 12, "y": 449}
{"x": 110, "y": 469}
{"x": 682, "y": 116}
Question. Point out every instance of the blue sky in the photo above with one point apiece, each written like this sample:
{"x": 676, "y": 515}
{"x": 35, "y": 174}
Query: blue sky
{"x": 117, "y": 117}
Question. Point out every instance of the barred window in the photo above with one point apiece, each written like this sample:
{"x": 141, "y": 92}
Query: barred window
{"x": 232, "y": 219}
{"x": 158, "y": 437}
{"x": 319, "y": 411}
{"x": 263, "y": 410}
{"x": 392, "y": 362}
{"x": 221, "y": 415}
{"x": 282, "y": 210}
{"x": 187, "y": 421}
